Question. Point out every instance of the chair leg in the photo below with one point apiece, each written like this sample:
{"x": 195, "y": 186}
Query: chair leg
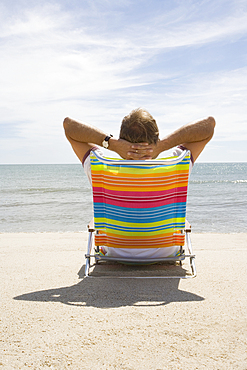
{"x": 89, "y": 248}
{"x": 181, "y": 252}
{"x": 192, "y": 259}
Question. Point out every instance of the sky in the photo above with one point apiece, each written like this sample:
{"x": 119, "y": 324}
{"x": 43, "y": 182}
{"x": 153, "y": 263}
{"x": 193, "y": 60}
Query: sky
{"x": 97, "y": 60}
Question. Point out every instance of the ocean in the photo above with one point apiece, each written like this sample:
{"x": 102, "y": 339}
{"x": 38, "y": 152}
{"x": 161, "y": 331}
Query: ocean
{"x": 57, "y": 198}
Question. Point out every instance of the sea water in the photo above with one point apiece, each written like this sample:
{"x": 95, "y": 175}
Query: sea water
{"x": 58, "y": 198}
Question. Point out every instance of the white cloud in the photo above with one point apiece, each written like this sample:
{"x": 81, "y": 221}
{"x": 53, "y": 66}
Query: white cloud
{"x": 58, "y": 63}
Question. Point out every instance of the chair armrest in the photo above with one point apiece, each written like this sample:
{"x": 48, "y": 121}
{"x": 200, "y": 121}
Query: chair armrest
{"x": 187, "y": 227}
{"x": 90, "y": 226}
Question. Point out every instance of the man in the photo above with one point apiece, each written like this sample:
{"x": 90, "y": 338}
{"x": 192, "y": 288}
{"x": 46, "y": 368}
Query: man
{"x": 139, "y": 140}
{"x": 193, "y": 136}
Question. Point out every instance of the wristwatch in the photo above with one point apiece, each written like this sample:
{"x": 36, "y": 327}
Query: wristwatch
{"x": 105, "y": 142}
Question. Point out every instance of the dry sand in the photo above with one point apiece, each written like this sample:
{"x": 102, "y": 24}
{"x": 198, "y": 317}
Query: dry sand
{"x": 51, "y": 318}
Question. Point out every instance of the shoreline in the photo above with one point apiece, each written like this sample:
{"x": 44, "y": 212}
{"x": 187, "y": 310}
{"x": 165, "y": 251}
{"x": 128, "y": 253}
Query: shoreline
{"x": 53, "y": 318}
{"x": 85, "y": 231}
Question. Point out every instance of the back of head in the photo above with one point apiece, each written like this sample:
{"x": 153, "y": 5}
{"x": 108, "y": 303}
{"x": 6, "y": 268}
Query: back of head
{"x": 139, "y": 127}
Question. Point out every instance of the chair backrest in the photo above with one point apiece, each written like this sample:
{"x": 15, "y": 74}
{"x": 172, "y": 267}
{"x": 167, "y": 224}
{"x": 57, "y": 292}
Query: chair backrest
{"x": 139, "y": 204}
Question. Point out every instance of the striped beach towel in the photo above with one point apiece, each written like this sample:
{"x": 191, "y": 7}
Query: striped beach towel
{"x": 139, "y": 205}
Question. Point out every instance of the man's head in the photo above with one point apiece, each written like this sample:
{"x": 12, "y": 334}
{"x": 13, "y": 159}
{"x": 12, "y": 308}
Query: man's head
{"x": 139, "y": 127}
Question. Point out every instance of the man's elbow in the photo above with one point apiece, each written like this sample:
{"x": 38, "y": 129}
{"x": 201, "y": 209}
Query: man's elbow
{"x": 66, "y": 122}
{"x": 212, "y": 121}
{"x": 211, "y": 126}
{"x": 67, "y": 127}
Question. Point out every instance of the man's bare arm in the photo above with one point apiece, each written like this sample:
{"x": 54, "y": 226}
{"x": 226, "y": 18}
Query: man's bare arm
{"x": 83, "y": 137}
{"x": 194, "y": 136}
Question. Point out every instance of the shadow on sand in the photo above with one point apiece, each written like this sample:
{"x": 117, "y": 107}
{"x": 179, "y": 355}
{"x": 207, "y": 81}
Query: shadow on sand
{"x": 110, "y": 292}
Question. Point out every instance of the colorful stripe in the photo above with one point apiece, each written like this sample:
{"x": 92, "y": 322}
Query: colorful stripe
{"x": 139, "y": 206}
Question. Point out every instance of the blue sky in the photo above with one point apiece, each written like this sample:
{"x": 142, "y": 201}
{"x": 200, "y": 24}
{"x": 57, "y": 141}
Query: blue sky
{"x": 97, "y": 60}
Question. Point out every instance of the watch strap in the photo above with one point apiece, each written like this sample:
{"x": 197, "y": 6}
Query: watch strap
{"x": 107, "y": 138}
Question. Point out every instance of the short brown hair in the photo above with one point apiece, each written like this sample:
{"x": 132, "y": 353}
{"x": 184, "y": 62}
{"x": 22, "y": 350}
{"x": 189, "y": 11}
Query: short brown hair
{"x": 139, "y": 127}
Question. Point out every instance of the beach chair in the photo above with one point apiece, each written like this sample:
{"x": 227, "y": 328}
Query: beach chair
{"x": 139, "y": 204}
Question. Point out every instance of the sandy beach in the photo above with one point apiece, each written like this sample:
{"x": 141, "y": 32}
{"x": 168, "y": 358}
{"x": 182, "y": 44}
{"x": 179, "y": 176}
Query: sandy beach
{"x": 53, "y": 318}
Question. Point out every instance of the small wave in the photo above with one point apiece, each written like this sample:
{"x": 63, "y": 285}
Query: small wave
{"x": 42, "y": 203}
{"x": 46, "y": 190}
{"x": 217, "y": 181}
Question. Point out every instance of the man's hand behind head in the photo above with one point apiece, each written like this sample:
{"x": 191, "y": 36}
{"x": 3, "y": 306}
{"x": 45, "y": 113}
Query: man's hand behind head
{"x": 127, "y": 150}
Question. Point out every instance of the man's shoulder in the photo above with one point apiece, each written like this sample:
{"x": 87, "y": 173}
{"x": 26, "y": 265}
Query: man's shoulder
{"x": 87, "y": 154}
{"x": 179, "y": 149}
